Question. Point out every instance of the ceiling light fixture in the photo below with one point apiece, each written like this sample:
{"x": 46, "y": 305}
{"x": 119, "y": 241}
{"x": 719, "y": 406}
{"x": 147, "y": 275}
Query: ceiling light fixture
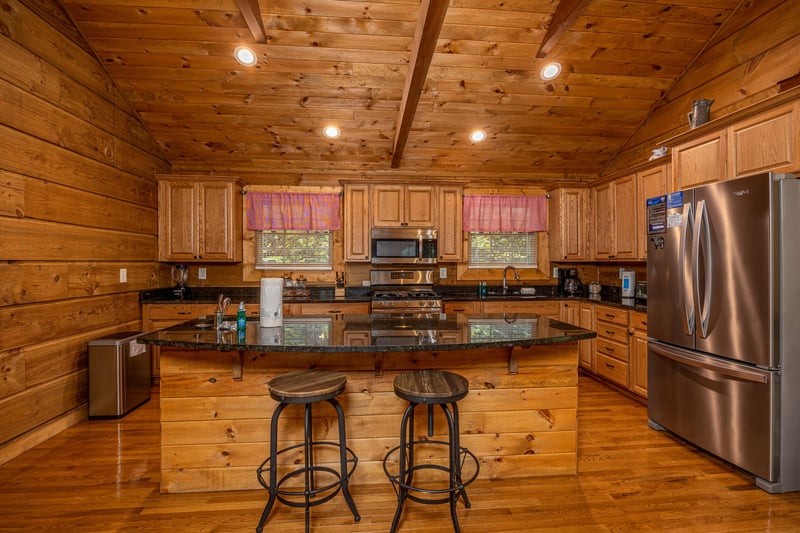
{"x": 550, "y": 71}
{"x": 477, "y": 136}
{"x": 331, "y": 132}
{"x": 245, "y": 56}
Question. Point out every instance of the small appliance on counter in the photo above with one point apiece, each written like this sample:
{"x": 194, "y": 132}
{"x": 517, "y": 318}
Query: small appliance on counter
{"x": 594, "y": 288}
{"x": 271, "y": 303}
{"x": 628, "y": 283}
{"x": 641, "y": 290}
{"x": 569, "y": 284}
{"x": 180, "y": 277}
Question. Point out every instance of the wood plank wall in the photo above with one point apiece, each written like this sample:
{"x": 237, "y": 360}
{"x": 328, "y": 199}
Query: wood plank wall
{"x": 78, "y": 202}
{"x": 742, "y": 65}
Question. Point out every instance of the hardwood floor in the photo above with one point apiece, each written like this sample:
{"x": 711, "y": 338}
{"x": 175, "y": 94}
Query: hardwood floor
{"x": 102, "y": 475}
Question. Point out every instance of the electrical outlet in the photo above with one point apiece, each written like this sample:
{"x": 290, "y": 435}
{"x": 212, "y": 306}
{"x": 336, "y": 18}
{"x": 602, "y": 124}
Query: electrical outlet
{"x": 201, "y": 273}
{"x": 555, "y": 272}
{"x": 621, "y": 270}
{"x": 123, "y": 275}
{"x": 443, "y": 273}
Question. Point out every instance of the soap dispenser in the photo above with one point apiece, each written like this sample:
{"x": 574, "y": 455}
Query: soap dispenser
{"x": 241, "y": 317}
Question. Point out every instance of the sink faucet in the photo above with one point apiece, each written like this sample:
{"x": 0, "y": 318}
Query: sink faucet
{"x": 505, "y": 271}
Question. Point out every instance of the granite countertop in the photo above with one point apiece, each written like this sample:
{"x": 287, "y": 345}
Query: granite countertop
{"x": 609, "y": 296}
{"x": 318, "y": 333}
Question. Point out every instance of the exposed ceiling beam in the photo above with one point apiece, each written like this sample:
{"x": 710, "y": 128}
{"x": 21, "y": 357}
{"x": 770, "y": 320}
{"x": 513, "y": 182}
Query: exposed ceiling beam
{"x": 567, "y": 12}
{"x": 252, "y": 15}
{"x": 431, "y": 18}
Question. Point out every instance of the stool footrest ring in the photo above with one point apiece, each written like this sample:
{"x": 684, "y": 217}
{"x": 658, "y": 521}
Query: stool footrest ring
{"x": 458, "y": 487}
{"x": 283, "y": 493}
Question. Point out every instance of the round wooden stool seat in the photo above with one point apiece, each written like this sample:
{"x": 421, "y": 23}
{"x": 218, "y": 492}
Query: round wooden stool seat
{"x": 307, "y": 386}
{"x": 431, "y": 386}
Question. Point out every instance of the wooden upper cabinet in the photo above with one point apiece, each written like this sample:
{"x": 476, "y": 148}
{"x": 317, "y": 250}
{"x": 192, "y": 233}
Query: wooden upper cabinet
{"x": 568, "y": 212}
{"x": 649, "y": 183}
{"x": 199, "y": 220}
{"x": 699, "y": 161}
{"x": 403, "y": 206}
{"x": 769, "y": 141}
{"x": 449, "y": 222}
{"x": 614, "y": 204}
{"x": 356, "y": 223}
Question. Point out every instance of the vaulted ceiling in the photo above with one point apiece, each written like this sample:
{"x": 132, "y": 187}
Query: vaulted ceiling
{"x": 406, "y": 81}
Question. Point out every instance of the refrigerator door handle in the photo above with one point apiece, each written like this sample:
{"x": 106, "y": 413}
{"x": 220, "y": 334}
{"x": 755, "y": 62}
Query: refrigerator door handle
{"x": 697, "y": 362}
{"x": 685, "y": 273}
{"x": 702, "y": 241}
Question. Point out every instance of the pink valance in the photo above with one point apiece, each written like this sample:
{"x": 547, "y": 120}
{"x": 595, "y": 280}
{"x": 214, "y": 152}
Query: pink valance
{"x": 505, "y": 213}
{"x": 293, "y": 211}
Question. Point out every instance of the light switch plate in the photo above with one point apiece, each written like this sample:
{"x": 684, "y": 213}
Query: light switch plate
{"x": 201, "y": 273}
{"x": 443, "y": 272}
{"x": 555, "y": 272}
{"x": 123, "y": 275}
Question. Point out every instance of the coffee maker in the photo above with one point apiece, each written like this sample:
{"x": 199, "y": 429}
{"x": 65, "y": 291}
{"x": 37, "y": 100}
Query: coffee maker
{"x": 180, "y": 276}
{"x": 569, "y": 284}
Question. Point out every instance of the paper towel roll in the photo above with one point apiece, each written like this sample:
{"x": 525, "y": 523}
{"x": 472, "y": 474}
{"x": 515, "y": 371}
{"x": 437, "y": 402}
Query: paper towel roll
{"x": 271, "y": 304}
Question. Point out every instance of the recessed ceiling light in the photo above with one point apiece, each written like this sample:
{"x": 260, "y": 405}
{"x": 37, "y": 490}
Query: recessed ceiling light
{"x": 331, "y": 132}
{"x": 550, "y": 71}
{"x": 477, "y": 136}
{"x": 245, "y": 56}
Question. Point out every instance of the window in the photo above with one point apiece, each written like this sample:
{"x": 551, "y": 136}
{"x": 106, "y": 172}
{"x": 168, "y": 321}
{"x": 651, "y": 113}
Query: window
{"x": 307, "y": 250}
{"x": 498, "y": 249}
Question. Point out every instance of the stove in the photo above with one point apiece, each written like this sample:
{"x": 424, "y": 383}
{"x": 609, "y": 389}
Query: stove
{"x": 403, "y": 292}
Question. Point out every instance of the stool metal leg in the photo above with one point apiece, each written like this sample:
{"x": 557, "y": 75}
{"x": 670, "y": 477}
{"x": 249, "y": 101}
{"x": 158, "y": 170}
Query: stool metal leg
{"x": 406, "y": 452}
{"x": 343, "y": 460}
{"x": 273, "y": 472}
{"x": 308, "y": 474}
{"x": 455, "y": 475}
{"x": 457, "y": 448}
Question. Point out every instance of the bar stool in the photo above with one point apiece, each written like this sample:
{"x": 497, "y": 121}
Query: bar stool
{"x": 307, "y": 387}
{"x": 430, "y": 387}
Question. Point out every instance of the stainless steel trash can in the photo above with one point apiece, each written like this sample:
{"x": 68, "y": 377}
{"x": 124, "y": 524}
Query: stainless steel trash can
{"x": 119, "y": 374}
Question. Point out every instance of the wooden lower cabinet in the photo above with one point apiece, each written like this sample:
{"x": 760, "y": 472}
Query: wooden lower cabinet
{"x": 581, "y": 314}
{"x": 638, "y": 378}
{"x": 461, "y": 307}
{"x": 160, "y": 316}
{"x": 549, "y": 308}
{"x": 612, "y": 345}
{"x": 586, "y": 349}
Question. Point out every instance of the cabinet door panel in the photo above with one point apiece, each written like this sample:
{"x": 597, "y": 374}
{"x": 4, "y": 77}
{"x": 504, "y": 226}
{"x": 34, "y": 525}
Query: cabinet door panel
{"x": 356, "y": 223}
{"x": 766, "y": 142}
{"x": 420, "y": 206}
{"x": 699, "y": 161}
{"x": 388, "y": 203}
{"x": 603, "y": 203}
{"x": 178, "y": 239}
{"x": 625, "y": 218}
{"x": 216, "y": 221}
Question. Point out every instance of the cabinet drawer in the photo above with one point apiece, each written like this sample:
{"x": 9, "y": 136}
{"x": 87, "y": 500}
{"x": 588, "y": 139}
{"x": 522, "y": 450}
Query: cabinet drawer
{"x": 611, "y": 331}
{"x": 612, "y": 314}
{"x": 612, "y": 348}
{"x": 179, "y": 311}
{"x": 462, "y": 307}
{"x": 639, "y": 321}
{"x": 613, "y": 370}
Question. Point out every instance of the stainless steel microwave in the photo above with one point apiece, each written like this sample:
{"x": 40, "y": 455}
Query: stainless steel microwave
{"x": 403, "y": 246}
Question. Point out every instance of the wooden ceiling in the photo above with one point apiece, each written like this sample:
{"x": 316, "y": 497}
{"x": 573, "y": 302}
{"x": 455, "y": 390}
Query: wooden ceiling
{"x": 406, "y": 81}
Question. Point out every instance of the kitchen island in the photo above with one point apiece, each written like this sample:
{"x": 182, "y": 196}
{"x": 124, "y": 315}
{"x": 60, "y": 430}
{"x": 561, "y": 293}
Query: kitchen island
{"x": 519, "y": 418}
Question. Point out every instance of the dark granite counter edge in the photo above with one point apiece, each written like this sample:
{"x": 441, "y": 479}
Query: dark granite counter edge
{"x": 229, "y": 342}
{"x": 202, "y": 295}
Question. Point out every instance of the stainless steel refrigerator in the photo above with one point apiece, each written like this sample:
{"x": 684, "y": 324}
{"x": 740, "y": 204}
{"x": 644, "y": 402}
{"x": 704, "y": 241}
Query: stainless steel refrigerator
{"x": 723, "y": 272}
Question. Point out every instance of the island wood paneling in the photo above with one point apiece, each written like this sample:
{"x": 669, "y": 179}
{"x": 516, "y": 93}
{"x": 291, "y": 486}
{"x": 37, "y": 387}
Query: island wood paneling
{"x": 216, "y": 429}
{"x": 77, "y": 204}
